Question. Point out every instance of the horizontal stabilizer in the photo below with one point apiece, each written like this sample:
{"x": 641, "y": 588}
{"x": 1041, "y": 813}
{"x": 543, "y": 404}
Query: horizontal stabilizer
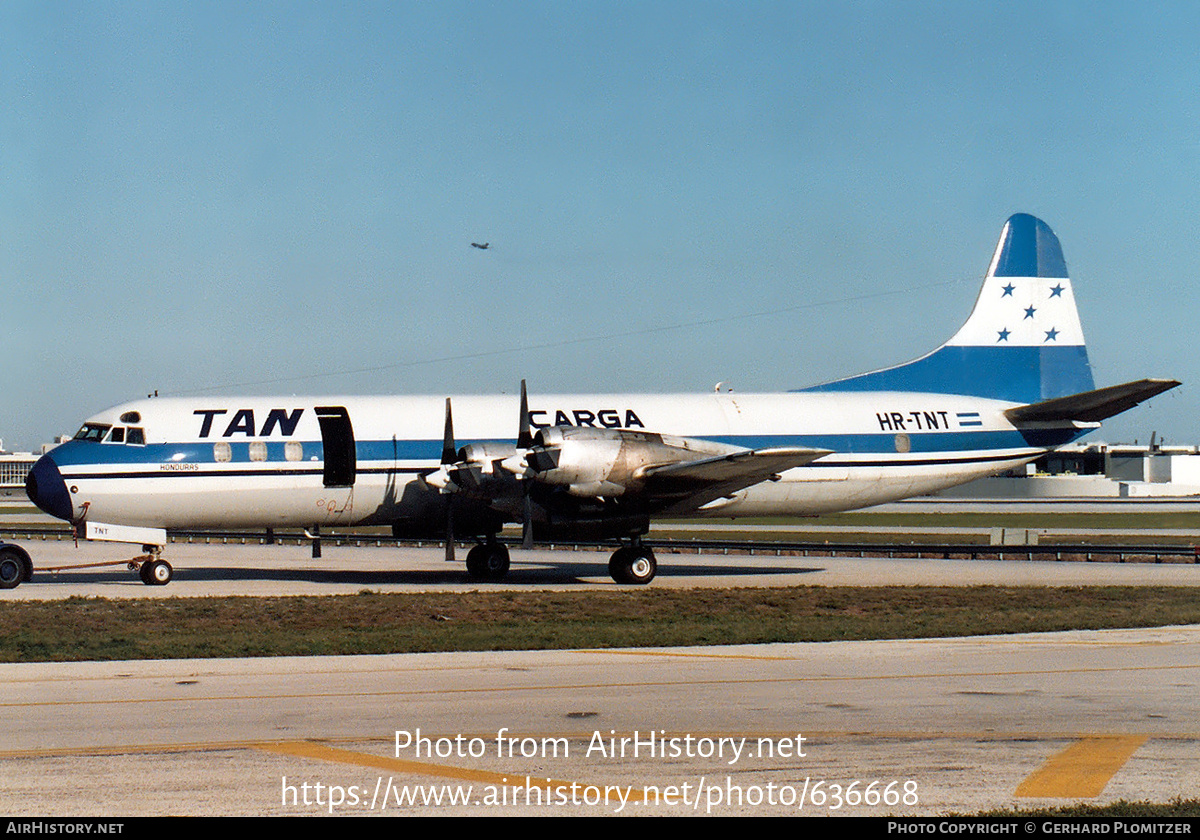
{"x": 1091, "y": 406}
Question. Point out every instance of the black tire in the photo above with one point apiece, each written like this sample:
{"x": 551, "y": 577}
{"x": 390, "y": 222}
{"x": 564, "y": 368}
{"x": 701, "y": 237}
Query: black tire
{"x": 635, "y": 565}
{"x": 488, "y": 562}
{"x": 12, "y": 567}
{"x": 26, "y": 563}
{"x": 156, "y": 573}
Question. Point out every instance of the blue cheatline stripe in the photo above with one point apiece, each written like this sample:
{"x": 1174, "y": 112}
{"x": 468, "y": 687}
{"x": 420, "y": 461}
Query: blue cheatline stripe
{"x": 193, "y": 452}
{"x": 1016, "y": 374}
{"x": 373, "y": 456}
{"x": 266, "y": 470}
{"x": 947, "y": 443}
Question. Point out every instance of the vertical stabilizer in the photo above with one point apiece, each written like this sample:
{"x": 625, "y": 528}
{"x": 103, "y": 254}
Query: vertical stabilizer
{"x": 1023, "y": 341}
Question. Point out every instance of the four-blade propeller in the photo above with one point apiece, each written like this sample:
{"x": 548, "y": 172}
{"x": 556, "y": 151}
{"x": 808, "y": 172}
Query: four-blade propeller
{"x": 470, "y": 469}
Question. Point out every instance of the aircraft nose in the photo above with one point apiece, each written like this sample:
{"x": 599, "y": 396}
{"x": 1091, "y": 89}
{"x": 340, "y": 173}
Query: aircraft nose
{"x": 45, "y": 487}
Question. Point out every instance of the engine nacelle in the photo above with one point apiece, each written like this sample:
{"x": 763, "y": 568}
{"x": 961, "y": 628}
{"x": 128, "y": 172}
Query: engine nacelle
{"x": 478, "y": 464}
{"x": 487, "y": 455}
{"x": 592, "y": 462}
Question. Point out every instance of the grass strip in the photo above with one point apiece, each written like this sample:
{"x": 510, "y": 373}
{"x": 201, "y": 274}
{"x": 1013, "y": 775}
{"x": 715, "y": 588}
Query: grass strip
{"x": 1176, "y": 808}
{"x": 77, "y": 628}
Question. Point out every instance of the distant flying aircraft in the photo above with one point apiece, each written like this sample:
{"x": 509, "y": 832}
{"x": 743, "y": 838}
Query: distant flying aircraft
{"x": 482, "y": 247}
{"x": 1012, "y": 384}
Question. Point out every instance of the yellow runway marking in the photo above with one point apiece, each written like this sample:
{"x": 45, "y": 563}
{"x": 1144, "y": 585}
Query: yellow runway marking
{"x": 1082, "y": 769}
{"x": 308, "y": 749}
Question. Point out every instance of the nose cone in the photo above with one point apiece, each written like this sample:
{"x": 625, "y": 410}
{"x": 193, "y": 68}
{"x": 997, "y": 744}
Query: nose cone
{"x": 45, "y": 487}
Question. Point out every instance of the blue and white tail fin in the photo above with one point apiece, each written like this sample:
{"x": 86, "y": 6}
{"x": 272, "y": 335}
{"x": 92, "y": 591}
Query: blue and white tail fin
{"x": 1023, "y": 341}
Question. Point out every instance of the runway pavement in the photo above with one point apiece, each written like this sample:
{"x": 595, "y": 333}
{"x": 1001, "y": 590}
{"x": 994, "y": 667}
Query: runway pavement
{"x": 253, "y": 569}
{"x": 913, "y": 727}
{"x": 890, "y": 727}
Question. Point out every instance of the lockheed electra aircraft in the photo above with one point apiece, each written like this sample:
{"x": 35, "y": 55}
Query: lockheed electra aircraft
{"x": 1011, "y": 385}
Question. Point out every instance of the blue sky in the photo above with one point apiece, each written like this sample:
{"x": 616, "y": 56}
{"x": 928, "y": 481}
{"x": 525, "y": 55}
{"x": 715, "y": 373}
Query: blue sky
{"x": 280, "y": 198}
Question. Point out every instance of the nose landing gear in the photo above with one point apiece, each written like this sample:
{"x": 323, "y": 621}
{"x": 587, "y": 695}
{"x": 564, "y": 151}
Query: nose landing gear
{"x": 151, "y": 568}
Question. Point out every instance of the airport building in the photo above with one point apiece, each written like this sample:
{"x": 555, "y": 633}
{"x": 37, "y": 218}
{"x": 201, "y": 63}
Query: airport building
{"x": 1095, "y": 470}
{"x": 14, "y": 466}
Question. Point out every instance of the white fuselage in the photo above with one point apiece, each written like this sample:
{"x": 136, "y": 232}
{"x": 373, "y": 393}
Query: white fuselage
{"x": 262, "y": 461}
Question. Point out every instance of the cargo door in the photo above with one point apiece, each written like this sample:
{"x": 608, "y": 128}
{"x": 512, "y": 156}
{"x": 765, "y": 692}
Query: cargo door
{"x": 337, "y": 439}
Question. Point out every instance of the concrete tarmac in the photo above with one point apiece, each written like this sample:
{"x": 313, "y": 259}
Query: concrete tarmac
{"x": 253, "y": 569}
{"x": 914, "y": 727}
{"x": 892, "y": 727}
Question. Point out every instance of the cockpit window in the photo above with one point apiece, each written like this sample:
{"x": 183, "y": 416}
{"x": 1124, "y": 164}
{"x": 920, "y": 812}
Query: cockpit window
{"x": 118, "y": 435}
{"x": 136, "y": 436}
{"x": 93, "y": 431}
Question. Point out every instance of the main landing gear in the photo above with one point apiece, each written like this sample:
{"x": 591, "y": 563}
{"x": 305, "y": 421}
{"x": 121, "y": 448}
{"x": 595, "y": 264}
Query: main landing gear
{"x": 633, "y": 563}
{"x": 151, "y": 568}
{"x": 488, "y": 560}
{"x": 630, "y": 564}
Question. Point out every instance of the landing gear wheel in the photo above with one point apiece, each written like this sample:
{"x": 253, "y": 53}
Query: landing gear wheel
{"x": 156, "y": 573}
{"x": 633, "y": 564}
{"x": 488, "y": 561}
{"x": 14, "y": 567}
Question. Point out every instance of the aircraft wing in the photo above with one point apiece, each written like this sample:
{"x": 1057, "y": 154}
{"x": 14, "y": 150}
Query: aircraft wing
{"x": 1091, "y": 406}
{"x": 692, "y": 484}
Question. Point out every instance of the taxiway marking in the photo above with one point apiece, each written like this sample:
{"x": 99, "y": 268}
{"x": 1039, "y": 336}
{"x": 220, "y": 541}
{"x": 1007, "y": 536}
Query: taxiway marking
{"x": 1082, "y": 769}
